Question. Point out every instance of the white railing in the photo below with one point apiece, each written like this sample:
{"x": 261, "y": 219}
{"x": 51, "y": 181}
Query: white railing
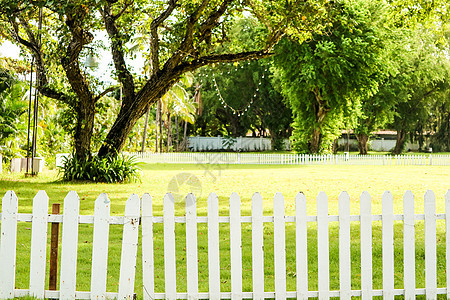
{"x": 291, "y": 159}
{"x": 69, "y": 244}
{"x": 278, "y": 221}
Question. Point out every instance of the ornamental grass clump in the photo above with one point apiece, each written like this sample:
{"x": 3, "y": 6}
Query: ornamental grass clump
{"x": 109, "y": 169}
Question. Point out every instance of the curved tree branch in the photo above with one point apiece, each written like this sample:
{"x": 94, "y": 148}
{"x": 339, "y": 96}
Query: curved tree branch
{"x": 187, "y": 48}
{"x": 70, "y": 62}
{"x": 212, "y": 21}
{"x": 154, "y": 37}
{"x": 124, "y": 75}
{"x": 34, "y": 47}
{"x": 125, "y": 7}
{"x": 110, "y": 89}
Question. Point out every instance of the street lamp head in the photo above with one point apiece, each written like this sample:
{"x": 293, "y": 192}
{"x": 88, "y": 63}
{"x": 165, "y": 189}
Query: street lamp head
{"x": 90, "y": 61}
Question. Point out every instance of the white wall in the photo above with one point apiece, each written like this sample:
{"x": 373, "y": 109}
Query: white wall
{"x": 241, "y": 144}
{"x": 379, "y": 145}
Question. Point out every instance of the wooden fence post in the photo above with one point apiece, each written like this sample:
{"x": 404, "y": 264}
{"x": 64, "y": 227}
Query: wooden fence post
{"x": 53, "y": 272}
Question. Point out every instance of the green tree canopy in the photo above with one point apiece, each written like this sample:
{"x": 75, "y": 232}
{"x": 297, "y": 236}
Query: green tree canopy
{"x": 419, "y": 86}
{"x": 326, "y": 78}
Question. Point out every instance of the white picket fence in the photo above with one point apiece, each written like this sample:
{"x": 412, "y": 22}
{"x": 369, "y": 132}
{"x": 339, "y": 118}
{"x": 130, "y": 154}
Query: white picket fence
{"x": 301, "y": 219}
{"x": 235, "y": 220}
{"x": 291, "y": 159}
{"x": 69, "y": 244}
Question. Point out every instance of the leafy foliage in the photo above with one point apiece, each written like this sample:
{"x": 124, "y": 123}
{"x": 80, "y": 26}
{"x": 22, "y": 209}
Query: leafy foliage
{"x": 419, "y": 87}
{"x": 13, "y": 105}
{"x": 326, "y": 78}
{"x": 110, "y": 169}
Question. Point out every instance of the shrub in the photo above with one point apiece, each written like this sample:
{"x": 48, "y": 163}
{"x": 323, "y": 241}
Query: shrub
{"x": 110, "y": 169}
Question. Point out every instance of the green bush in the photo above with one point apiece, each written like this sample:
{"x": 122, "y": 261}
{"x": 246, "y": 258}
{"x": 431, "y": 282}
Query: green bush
{"x": 110, "y": 169}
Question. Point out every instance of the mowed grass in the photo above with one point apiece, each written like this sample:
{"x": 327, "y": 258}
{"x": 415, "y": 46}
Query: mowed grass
{"x": 245, "y": 180}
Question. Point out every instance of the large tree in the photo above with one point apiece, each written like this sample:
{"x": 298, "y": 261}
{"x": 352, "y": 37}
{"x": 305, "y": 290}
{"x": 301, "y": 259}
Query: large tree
{"x": 326, "y": 78}
{"x": 184, "y": 36}
{"x": 378, "y": 110}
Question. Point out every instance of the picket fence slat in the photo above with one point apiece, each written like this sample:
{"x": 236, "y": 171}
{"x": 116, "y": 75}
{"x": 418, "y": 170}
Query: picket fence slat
{"x": 69, "y": 246}
{"x": 10, "y": 206}
{"x": 323, "y": 249}
{"x": 388, "y": 245}
{"x": 129, "y": 247}
{"x": 258, "y": 246}
{"x": 191, "y": 246}
{"x": 213, "y": 247}
{"x": 301, "y": 242}
{"x": 344, "y": 246}
{"x": 100, "y": 247}
{"x": 447, "y": 239}
{"x": 148, "y": 262}
{"x": 38, "y": 256}
{"x": 366, "y": 246}
{"x": 170, "y": 269}
{"x": 279, "y": 239}
{"x": 409, "y": 246}
{"x": 430, "y": 245}
{"x": 235, "y": 246}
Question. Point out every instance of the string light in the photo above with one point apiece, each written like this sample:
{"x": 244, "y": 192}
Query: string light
{"x": 237, "y": 112}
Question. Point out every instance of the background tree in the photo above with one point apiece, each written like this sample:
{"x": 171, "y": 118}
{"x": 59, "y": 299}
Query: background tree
{"x": 326, "y": 78}
{"x": 378, "y": 110}
{"x": 178, "y": 103}
{"x": 423, "y": 75}
{"x": 440, "y": 124}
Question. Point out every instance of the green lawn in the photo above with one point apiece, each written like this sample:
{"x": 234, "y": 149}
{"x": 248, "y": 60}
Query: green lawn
{"x": 245, "y": 180}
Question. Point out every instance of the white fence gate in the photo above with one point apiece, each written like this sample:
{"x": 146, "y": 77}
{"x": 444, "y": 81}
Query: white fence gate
{"x": 102, "y": 219}
{"x": 69, "y": 244}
